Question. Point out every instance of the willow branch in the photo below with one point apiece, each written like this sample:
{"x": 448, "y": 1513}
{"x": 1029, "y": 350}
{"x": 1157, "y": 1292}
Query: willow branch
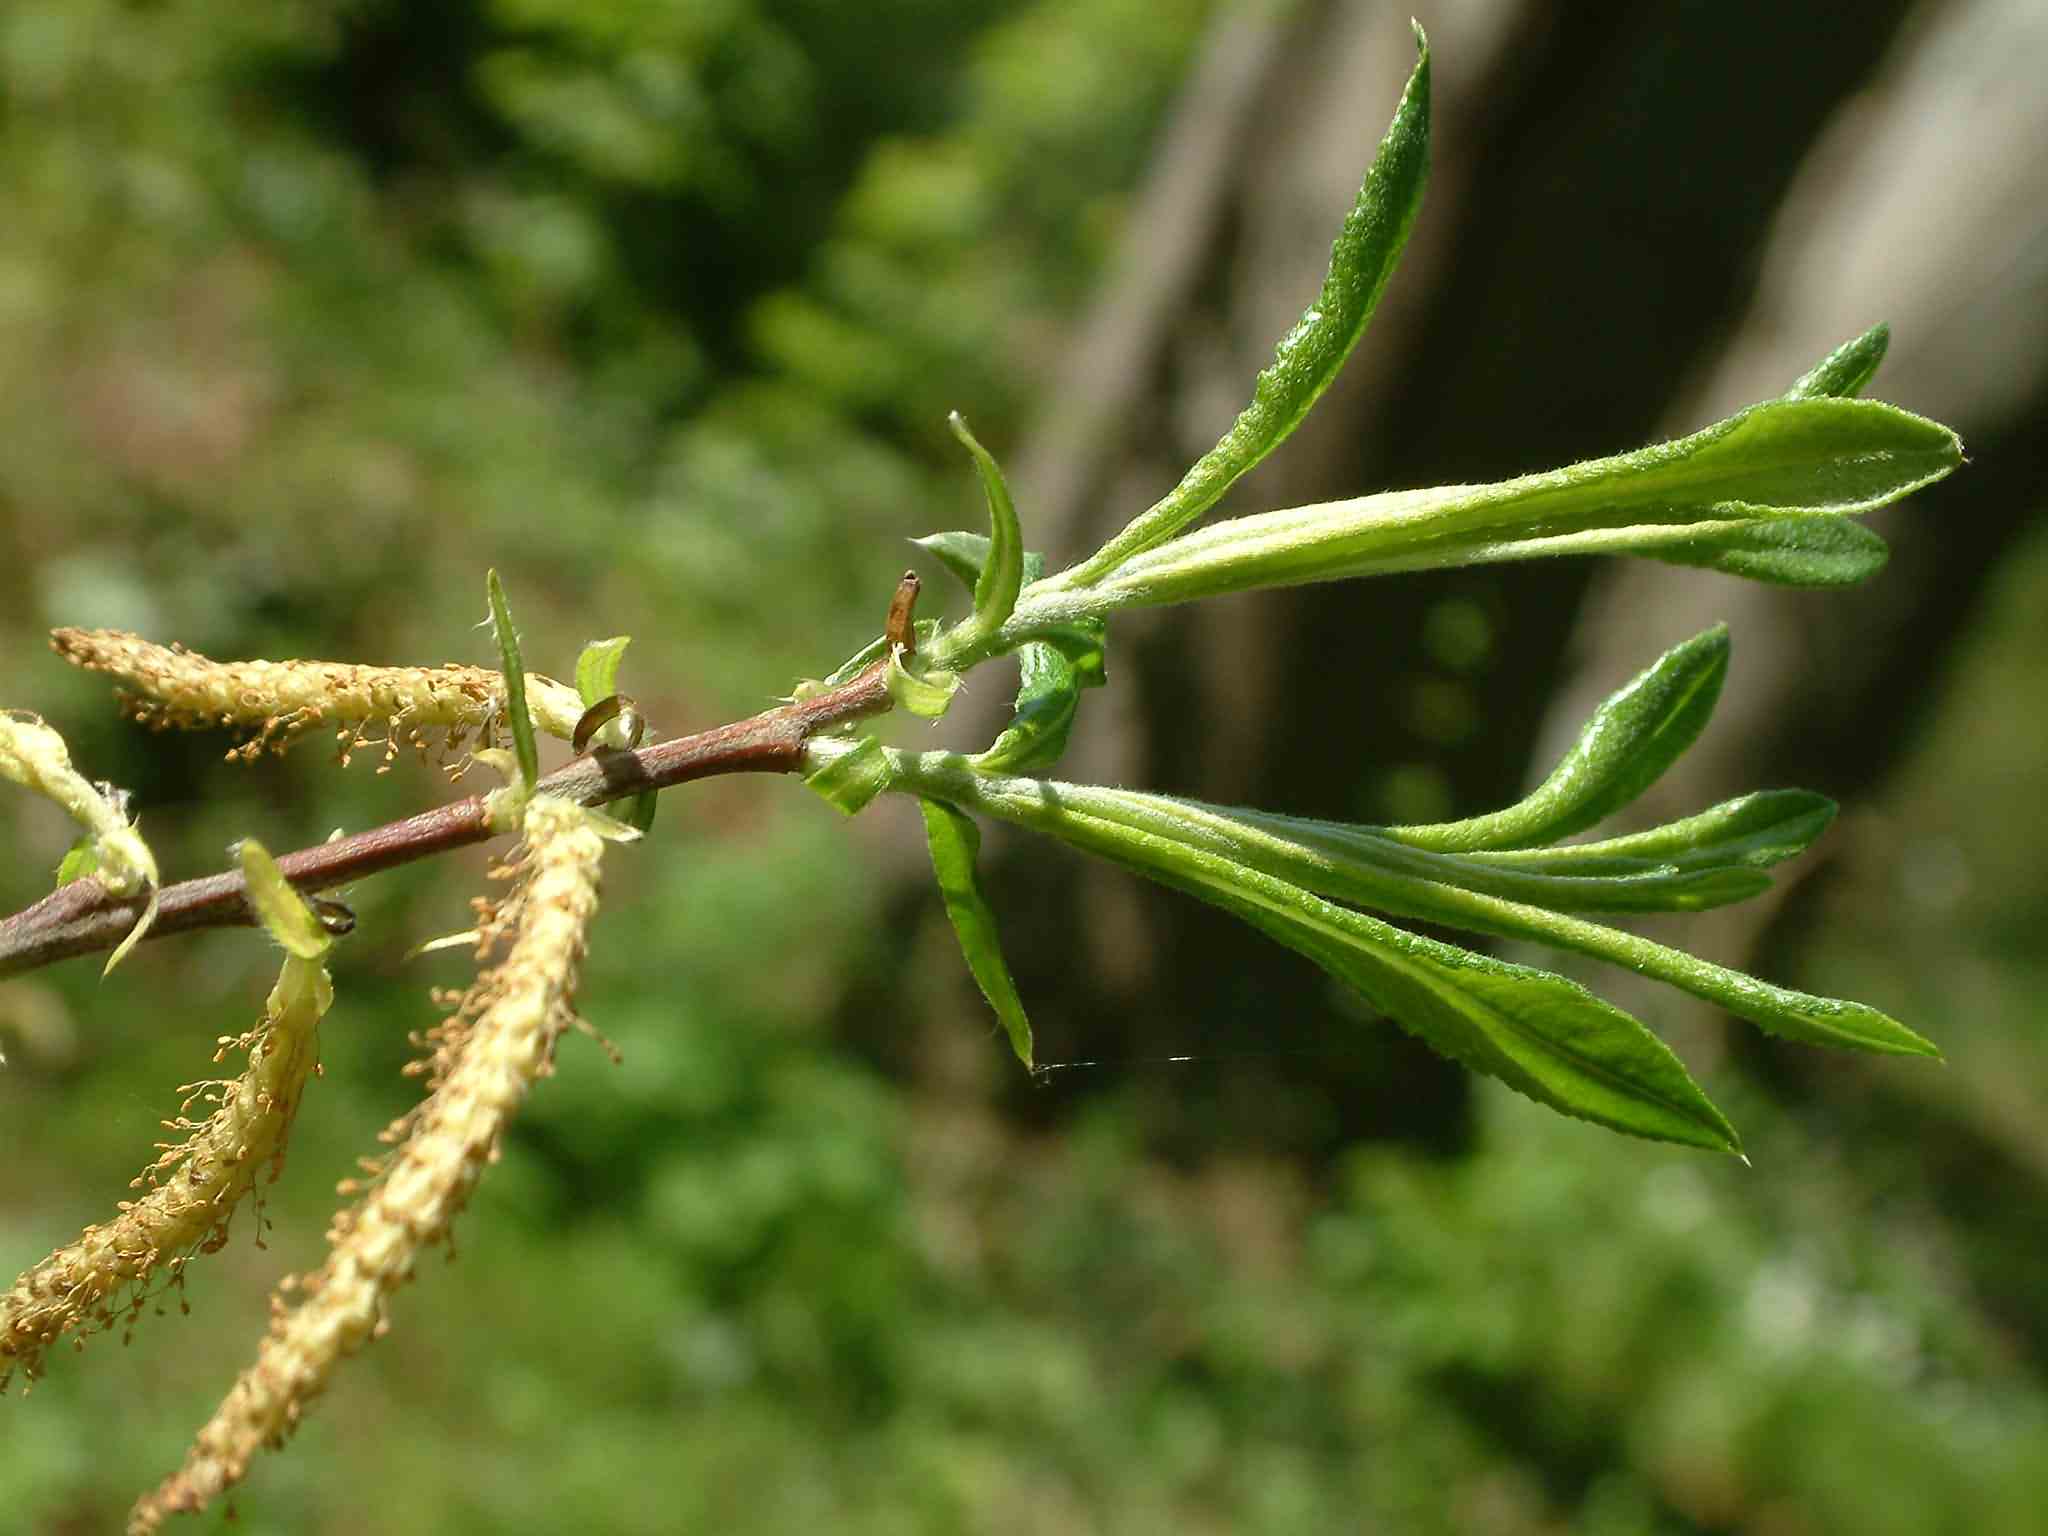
{"x": 84, "y": 917}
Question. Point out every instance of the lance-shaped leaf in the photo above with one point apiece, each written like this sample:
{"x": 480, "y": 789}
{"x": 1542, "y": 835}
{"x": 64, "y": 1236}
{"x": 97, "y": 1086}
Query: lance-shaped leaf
{"x": 1631, "y": 739}
{"x": 1782, "y": 459}
{"x": 1002, "y": 568}
{"x": 1845, "y": 372}
{"x": 1605, "y": 885}
{"x": 1245, "y": 837}
{"x": 1540, "y": 1034}
{"x": 1250, "y": 840}
{"x": 1758, "y": 830}
{"x": 1543, "y": 1036}
{"x": 955, "y": 844}
{"x": 515, "y": 683}
{"x": 1782, "y": 552}
{"x": 1310, "y": 355}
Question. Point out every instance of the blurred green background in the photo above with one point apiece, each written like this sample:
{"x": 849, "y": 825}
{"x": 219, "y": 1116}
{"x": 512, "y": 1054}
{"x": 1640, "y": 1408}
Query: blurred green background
{"x": 310, "y": 312}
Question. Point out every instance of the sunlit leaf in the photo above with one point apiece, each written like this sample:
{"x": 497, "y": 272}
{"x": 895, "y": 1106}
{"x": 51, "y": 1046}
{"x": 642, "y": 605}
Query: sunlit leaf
{"x": 1002, "y": 568}
{"x": 1631, "y": 739}
{"x": 515, "y": 682}
{"x": 1781, "y": 459}
{"x": 1844, "y": 372}
{"x": 1309, "y": 356}
{"x": 1758, "y": 829}
{"x": 955, "y": 843}
{"x": 597, "y": 668}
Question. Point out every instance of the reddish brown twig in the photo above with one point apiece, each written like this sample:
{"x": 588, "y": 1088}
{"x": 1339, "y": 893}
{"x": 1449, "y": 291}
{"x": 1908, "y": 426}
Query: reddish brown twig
{"x": 82, "y": 917}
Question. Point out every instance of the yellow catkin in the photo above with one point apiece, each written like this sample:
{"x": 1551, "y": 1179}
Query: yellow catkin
{"x": 165, "y": 686}
{"x": 515, "y": 1014}
{"x": 194, "y": 1187}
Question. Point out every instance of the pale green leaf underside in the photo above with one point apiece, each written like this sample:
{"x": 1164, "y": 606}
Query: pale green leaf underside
{"x": 1784, "y": 459}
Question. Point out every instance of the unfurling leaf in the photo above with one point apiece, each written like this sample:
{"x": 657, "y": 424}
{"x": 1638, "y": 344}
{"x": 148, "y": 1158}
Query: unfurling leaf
{"x": 852, "y": 775}
{"x": 284, "y": 913}
{"x": 1638, "y": 733}
{"x": 955, "y": 841}
{"x": 597, "y": 668}
{"x": 926, "y": 694}
{"x": 1052, "y": 674}
{"x": 1002, "y": 568}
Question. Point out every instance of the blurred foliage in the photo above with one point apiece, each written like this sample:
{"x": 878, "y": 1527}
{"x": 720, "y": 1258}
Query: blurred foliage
{"x": 309, "y": 313}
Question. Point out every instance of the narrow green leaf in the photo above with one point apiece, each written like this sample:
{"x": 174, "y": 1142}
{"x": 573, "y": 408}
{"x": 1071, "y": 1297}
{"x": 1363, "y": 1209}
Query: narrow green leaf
{"x": 847, "y": 774}
{"x": 1781, "y": 459}
{"x": 1632, "y": 738}
{"x": 962, "y": 553}
{"x": 515, "y": 683}
{"x": 1309, "y": 356}
{"x": 1543, "y": 1036}
{"x": 1249, "y": 841}
{"x": 1844, "y": 372}
{"x": 955, "y": 843}
{"x": 284, "y": 913}
{"x": 1602, "y": 885}
{"x": 1053, "y": 673}
{"x": 1758, "y": 830}
{"x": 1781, "y": 552}
{"x": 1002, "y": 570}
{"x": 597, "y": 668}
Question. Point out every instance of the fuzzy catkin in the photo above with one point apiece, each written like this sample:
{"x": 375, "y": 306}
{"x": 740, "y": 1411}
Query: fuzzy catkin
{"x": 167, "y": 686}
{"x": 197, "y": 1186}
{"x": 515, "y": 1014}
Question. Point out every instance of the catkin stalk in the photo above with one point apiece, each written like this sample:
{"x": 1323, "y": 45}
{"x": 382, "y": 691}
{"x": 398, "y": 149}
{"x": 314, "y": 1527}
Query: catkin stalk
{"x": 513, "y": 1015}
